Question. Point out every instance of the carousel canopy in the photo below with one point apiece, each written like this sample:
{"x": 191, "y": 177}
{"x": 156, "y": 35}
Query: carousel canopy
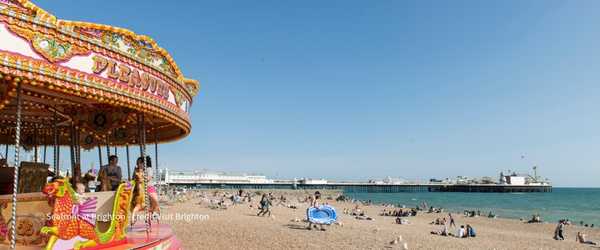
{"x": 96, "y": 78}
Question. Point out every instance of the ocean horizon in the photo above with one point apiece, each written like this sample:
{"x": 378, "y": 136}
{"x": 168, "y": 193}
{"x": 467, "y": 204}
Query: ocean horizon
{"x": 575, "y": 204}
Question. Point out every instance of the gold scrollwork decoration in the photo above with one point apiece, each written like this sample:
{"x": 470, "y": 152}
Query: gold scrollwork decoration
{"x": 49, "y": 47}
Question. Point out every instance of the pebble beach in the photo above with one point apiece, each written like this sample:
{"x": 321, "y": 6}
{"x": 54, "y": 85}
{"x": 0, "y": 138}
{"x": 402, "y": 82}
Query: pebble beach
{"x": 230, "y": 226}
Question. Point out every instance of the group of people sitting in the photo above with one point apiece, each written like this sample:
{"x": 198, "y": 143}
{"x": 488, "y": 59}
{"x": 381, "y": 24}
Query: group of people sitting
{"x": 439, "y": 221}
{"x": 402, "y": 221}
{"x": 435, "y": 210}
{"x": 358, "y": 213}
{"x": 241, "y": 197}
{"x": 399, "y": 212}
{"x": 462, "y": 232}
{"x": 536, "y": 218}
{"x": 581, "y": 223}
{"x": 472, "y": 213}
{"x": 465, "y": 232}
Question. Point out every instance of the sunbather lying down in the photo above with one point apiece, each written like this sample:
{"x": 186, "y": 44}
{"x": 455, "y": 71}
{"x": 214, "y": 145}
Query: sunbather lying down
{"x": 442, "y": 232}
{"x": 217, "y": 205}
{"x": 402, "y": 221}
{"x": 363, "y": 217}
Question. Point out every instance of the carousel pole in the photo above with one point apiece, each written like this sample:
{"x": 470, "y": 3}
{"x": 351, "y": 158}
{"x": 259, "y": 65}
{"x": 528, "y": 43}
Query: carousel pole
{"x": 77, "y": 147}
{"x": 56, "y": 146}
{"x": 45, "y": 142}
{"x": 100, "y": 154}
{"x": 35, "y": 144}
{"x": 108, "y": 149}
{"x": 72, "y": 150}
{"x": 128, "y": 167}
{"x": 77, "y": 155}
{"x": 142, "y": 135}
{"x": 13, "y": 224}
{"x": 156, "y": 174}
{"x": 75, "y": 168}
{"x": 75, "y": 144}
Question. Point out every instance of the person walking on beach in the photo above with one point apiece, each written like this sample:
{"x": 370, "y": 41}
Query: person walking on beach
{"x": 451, "y": 220}
{"x": 314, "y": 202}
{"x": 265, "y": 204}
{"x": 558, "y": 232}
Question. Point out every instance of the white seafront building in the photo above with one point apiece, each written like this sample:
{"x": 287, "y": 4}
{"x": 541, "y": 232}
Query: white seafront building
{"x": 312, "y": 181}
{"x": 200, "y": 177}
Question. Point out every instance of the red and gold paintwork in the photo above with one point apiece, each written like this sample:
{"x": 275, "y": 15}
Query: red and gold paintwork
{"x": 54, "y": 60}
{"x": 99, "y": 80}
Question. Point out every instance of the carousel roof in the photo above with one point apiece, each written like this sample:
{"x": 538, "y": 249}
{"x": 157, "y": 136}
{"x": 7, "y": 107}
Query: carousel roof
{"x": 95, "y": 78}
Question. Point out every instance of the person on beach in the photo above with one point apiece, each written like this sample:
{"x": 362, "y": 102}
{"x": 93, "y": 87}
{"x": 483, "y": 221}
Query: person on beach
{"x": 535, "y": 219}
{"x": 265, "y": 204}
{"x": 357, "y": 211}
{"x": 470, "y": 231}
{"x": 438, "y": 221}
{"x": 451, "y": 220}
{"x": 402, "y": 221}
{"x": 581, "y": 239}
{"x": 249, "y": 197}
{"x": 461, "y": 232}
{"x": 442, "y": 232}
{"x": 558, "y": 232}
{"x": 314, "y": 202}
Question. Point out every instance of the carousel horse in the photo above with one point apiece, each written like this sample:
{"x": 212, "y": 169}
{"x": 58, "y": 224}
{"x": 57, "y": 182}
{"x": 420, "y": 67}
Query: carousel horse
{"x": 71, "y": 217}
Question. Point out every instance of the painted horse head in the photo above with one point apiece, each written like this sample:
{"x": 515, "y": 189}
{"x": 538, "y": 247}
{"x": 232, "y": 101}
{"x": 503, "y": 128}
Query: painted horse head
{"x": 56, "y": 188}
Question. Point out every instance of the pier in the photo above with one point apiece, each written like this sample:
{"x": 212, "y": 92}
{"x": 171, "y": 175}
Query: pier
{"x": 219, "y": 180}
{"x": 374, "y": 188}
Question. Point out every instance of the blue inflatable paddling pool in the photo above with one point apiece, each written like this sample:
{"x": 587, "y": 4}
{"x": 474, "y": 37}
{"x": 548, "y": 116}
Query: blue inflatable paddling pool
{"x": 325, "y": 214}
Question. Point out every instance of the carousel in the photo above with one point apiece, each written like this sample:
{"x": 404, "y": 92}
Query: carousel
{"x": 78, "y": 87}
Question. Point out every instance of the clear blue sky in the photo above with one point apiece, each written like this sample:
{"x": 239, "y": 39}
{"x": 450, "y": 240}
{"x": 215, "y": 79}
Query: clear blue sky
{"x": 369, "y": 89}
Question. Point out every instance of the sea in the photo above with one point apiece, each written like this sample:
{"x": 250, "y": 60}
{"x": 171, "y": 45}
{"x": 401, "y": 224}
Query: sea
{"x": 575, "y": 204}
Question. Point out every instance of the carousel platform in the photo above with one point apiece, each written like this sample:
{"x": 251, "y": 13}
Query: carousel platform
{"x": 160, "y": 237}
